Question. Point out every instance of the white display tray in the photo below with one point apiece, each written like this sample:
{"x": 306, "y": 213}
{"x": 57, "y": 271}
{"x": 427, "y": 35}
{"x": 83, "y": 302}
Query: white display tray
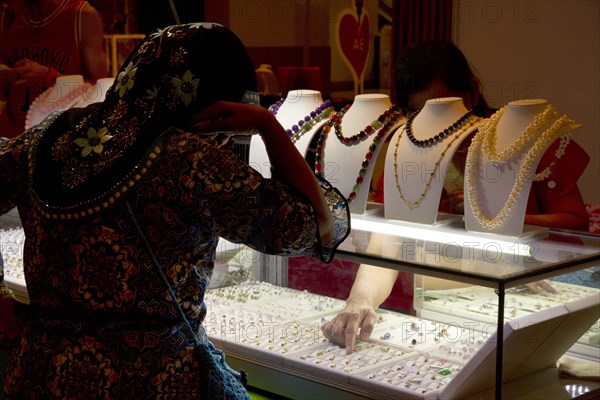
{"x": 407, "y": 357}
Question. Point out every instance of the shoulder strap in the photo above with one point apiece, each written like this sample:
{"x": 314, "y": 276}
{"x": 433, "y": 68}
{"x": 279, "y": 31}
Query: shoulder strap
{"x": 189, "y": 331}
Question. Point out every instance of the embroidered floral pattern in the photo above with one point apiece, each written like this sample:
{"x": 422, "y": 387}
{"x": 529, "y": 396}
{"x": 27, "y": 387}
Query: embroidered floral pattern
{"x": 83, "y": 123}
{"x": 177, "y": 56}
{"x": 63, "y": 148}
{"x": 114, "y": 324}
{"x": 126, "y": 133}
{"x": 104, "y": 268}
{"x": 136, "y": 99}
{"x": 77, "y": 369}
{"x": 74, "y": 172}
{"x": 186, "y": 87}
{"x": 125, "y": 79}
{"x": 94, "y": 141}
{"x": 151, "y": 94}
{"x": 106, "y": 159}
{"x": 204, "y": 25}
{"x": 117, "y": 113}
{"x": 173, "y": 380}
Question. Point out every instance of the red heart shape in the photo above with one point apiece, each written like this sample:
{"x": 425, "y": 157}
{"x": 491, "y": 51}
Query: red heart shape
{"x": 354, "y": 42}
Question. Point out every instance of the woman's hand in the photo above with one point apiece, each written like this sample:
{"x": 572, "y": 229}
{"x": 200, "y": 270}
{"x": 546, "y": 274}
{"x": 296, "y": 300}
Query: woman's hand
{"x": 343, "y": 328}
{"x": 30, "y": 71}
{"x": 236, "y": 118}
{"x": 539, "y": 286}
{"x": 286, "y": 161}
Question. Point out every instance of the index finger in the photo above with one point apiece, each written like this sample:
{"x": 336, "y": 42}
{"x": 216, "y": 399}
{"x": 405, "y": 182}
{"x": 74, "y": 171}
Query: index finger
{"x": 546, "y": 286}
{"x": 350, "y": 335}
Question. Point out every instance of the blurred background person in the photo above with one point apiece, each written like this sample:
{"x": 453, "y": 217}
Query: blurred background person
{"x": 39, "y": 41}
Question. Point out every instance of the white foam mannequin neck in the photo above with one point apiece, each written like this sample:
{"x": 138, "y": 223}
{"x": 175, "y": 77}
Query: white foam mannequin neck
{"x": 412, "y": 166}
{"x": 518, "y": 116}
{"x": 64, "y": 84}
{"x": 102, "y": 86}
{"x": 341, "y": 163}
{"x": 96, "y": 93}
{"x": 296, "y": 105}
{"x": 494, "y": 188}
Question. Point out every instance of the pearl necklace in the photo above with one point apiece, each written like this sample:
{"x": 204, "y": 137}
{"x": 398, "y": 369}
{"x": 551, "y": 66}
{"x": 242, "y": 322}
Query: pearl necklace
{"x": 465, "y": 126}
{"x": 488, "y": 132}
{"x": 308, "y": 122}
{"x": 388, "y": 119}
{"x": 475, "y": 160}
{"x": 562, "y": 147}
{"x": 336, "y": 121}
{"x": 437, "y": 138}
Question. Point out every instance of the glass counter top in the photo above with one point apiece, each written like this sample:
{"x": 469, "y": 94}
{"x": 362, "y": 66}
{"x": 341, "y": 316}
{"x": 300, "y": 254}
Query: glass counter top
{"x": 447, "y": 250}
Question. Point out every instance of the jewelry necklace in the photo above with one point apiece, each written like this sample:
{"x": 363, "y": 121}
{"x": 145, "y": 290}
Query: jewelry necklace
{"x": 488, "y": 132}
{"x": 336, "y": 122}
{"x": 392, "y": 115}
{"x": 308, "y": 122}
{"x": 560, "y": 151}
{"x": 437, "y": 138}
{"x": 465, "y": 125}
{"x": 526, "y": 168}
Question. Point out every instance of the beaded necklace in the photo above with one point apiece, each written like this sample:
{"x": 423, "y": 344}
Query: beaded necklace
{"x": 562, "y": 147}
{"x": 464, "y": 125}
{"x": 385, "y": 122}
{"x": 437, "y": 138}
{"x": 336, "y": 122}
{"x": 308, "y": 122}
{"x": 488, "y": 132}
{"x": 475, "y": 161}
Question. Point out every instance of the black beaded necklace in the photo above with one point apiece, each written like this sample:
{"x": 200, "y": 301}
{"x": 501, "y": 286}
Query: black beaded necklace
{"x": 437, "y": 138}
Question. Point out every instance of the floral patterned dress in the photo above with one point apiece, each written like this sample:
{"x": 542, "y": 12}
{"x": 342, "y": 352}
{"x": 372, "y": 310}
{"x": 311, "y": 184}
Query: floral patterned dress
{"x": 101, "y": 323}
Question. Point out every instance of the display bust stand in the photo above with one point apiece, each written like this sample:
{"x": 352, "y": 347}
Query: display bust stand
{"x": 297, "y": 105}
{"x": 496, "y": 192}
{"x": 343, "y": 164}
{"x": 414, "y": 172}
{"x": 66, "y": 92}
{"x": 96, "y": 93}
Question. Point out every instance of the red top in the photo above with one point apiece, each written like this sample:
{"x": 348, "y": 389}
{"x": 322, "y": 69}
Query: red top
{"x": 53, "y": 42}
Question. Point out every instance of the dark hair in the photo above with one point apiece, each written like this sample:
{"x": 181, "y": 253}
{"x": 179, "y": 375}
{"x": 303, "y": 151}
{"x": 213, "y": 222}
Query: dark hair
{"x": 421, "y": 64}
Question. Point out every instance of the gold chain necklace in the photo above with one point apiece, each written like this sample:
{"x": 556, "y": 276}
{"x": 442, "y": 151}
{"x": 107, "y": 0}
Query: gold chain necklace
{"x": 465, "y": 125}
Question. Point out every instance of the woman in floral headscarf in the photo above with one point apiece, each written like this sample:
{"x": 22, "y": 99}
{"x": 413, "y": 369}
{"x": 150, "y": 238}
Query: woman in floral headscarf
{"x": 122, "y": 209}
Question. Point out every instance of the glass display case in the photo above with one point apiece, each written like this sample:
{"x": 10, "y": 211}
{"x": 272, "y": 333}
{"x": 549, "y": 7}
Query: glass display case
{"x": 465, "y": 286}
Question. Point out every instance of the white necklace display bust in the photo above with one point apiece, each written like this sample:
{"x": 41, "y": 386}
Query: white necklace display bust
{"x": 501, "y": 165}
{"x": 65, "y": 94}
{"x": 414, "y": 174}
{"x": 342, "y": 163}
{"x": 296, "y": 106}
